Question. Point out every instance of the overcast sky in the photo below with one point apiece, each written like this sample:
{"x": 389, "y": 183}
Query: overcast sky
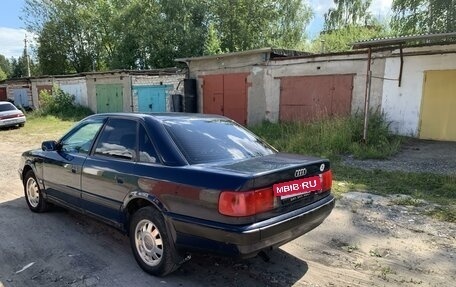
{"x": 12, "y": 33}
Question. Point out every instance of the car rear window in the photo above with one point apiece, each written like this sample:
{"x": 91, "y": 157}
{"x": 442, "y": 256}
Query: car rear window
{"x": 211, "y": 140}
{"x": 7, "y": 107}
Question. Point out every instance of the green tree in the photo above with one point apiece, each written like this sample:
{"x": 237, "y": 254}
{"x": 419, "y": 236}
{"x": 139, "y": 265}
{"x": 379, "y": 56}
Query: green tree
{"x": 341, "y": 39}
{"x": 348, "y": 13}
{"x": 52, "y": 51}
{"x": 152, "y": 33}
{"x": 212, "y": 44}
{"x": 5, "y": 65}
{"x": 423, "y": 16}
{"x": 68, "y": 34}
{"x": 348, "y": 22}
{"x": 79, "y": 35}
{"x": 3, "y": 75}
{"x": 20, "y": 66}
{"x": 250, "y": 24}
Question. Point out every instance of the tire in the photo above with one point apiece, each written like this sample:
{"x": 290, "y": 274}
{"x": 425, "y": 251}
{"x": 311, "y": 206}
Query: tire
{"x": 33, "y": 195}
{"x": 151, "y": 244}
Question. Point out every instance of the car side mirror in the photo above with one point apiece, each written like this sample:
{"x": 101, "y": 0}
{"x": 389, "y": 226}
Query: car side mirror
{"x": 49, "y": 145}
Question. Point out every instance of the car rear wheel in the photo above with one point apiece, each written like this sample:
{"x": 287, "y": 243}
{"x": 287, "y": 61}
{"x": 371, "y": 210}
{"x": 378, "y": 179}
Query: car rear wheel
{"x": 152, "y": 247}
{"x": 33, "y": 195}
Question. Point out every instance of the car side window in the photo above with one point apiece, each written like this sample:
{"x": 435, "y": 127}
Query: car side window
{"x": 147, "y": 151}
{"x": 118, "y": 139}
{"x": 82, "y": 138}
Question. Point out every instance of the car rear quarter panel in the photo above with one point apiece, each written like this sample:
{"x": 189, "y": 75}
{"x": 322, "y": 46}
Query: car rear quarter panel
{"x": 185, "y": 191}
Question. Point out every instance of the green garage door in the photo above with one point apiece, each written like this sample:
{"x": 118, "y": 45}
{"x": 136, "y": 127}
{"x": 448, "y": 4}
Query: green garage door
{"x": 109, "y": 98}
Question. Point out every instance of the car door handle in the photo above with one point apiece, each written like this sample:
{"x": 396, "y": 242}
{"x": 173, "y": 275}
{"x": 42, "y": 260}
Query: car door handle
{"x": 119, "y": 180}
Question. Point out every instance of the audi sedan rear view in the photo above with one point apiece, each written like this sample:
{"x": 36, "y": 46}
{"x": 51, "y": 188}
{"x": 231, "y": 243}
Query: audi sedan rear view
{"x": 180, "y": 183}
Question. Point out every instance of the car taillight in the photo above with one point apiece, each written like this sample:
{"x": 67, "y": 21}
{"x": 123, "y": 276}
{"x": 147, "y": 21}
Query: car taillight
{"x": 238, "y": 203}
{"x": 11, "y": 116}
{"x": 326, "y": 180}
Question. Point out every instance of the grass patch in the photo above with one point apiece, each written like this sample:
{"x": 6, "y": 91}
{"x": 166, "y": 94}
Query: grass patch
{"x": 439, "y": 189}
{"x": 37, "y": 129}
{"x": 60, "y": 105}
{"x": 331, "y": 138}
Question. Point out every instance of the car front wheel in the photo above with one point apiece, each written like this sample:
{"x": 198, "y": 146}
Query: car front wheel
{"x": 33, "y": 195}
{"x": 152, "y": 247}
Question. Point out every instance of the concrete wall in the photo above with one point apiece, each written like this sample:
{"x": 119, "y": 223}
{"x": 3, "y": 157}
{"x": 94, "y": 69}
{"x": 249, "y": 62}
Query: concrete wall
{"x": 240, "y": 63}
{"x": 225, "y": 64}
{"x": 402, "y": 105}
{"x": 176, "y": 81}
{"x": 18, "y": 85}
{"x": 355, "y": 64}
{"x": 76, "y": 87}
{"x": 34, "y": 84}
{"x": 109, "y": 78}
{"x": 263, "y": 100}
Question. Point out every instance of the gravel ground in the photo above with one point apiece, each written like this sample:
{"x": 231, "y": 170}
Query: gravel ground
{"x": 415, "y": 156}
{"x": 366, "y": 241}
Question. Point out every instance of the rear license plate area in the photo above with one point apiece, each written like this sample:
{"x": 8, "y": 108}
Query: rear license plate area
{"x": 297, "y": 189}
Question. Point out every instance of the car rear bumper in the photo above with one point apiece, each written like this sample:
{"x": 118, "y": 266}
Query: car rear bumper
{"x": 12, "y": 122}
{"x": 248, "y": 240}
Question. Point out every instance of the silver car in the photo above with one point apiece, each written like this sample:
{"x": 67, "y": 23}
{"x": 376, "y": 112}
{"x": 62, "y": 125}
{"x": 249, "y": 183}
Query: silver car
{"x": 10, "y": 115}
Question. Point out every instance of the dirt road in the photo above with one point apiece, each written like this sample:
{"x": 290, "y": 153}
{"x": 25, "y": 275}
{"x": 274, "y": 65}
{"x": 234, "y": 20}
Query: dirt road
{"x": 366, "y": 241}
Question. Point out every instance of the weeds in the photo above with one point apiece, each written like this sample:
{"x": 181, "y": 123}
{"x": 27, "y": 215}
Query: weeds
{"x": 333, "y": 137}
{"x": 384, "y": 271}
{"x": 60, "y": 105}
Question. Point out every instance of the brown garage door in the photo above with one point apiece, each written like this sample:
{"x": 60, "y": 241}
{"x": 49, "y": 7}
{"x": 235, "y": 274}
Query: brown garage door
{"x": 226, "y": 95}
{"x": 3, "y": 94}
{"x": 309, "y": 98}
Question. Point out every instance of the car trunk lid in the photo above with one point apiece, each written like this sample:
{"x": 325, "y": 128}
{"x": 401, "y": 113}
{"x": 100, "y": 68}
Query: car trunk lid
{"x": 294, "y": 181}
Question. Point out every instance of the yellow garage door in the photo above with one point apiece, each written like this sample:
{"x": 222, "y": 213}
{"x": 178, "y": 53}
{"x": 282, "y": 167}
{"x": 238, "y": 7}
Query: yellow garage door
{"x": 438, "y": 106}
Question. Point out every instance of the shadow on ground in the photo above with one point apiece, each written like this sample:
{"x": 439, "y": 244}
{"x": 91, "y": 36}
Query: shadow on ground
{"x": 64, "y": 248}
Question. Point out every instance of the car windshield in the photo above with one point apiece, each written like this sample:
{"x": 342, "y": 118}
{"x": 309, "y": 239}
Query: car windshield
{"x": 210, "y": 140}
{"x": 7, "y": 107}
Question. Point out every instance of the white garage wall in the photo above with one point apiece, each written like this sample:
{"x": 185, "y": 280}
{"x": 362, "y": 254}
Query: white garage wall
{"x": 76, "y": 88}
{"x": 402, "y": 105}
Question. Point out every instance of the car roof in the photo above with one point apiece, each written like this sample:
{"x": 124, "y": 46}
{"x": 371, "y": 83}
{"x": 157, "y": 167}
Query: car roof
{"x": 162, "y": 116}
{"x": 4, "y": 102}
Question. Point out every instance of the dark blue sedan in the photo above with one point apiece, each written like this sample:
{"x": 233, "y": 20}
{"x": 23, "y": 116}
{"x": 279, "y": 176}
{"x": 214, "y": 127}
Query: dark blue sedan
{"x": 177, "y": 183}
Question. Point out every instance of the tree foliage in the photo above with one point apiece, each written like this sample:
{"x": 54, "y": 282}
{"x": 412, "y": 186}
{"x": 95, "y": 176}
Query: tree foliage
{"x": 3, "y": 75}
{"x": 348, "y": 13}
{"x": 19, "y": 67}
{"x": 212, "y": 46}
{"x": 82, "y": 35}
{"x": 250, "y": 24}
{"x": 67, "y": 34}
{"x": 423, "y": 16}
{"x": 348, "y": 22}
{"x": 341, "y": 39}
{"x": 5, "y": 66}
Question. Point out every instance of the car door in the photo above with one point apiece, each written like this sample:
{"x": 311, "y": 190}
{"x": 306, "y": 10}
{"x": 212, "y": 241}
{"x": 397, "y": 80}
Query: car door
{"x": 62, "y": 167}
{"x": 108, "y": 172}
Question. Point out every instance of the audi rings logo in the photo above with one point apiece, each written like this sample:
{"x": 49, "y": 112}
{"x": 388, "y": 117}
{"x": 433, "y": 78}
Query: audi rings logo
{"x": 300, "y": 172}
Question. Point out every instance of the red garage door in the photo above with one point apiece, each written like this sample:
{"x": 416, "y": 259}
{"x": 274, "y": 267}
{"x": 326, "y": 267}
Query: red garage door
{"x": 3, "y": 94}
{"x": 226, "y": 95}
{"x": 309, "y": 98}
